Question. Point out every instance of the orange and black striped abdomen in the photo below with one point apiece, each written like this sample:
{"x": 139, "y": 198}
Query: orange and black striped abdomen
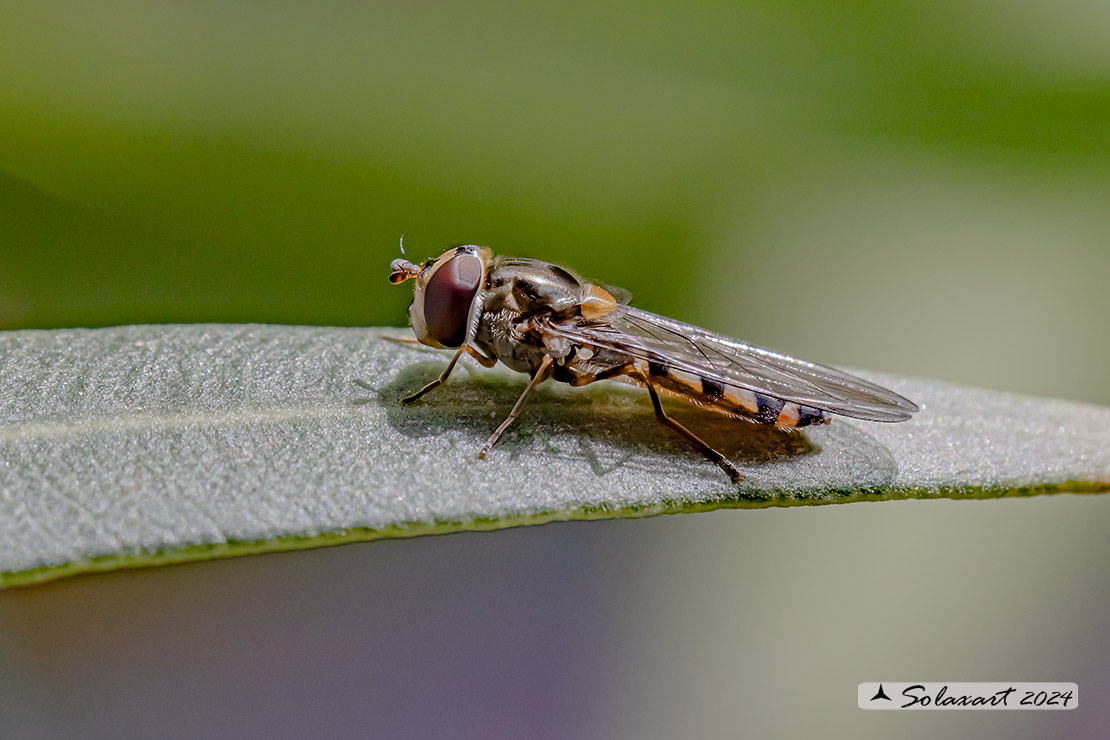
{"x": 713, "y": 394}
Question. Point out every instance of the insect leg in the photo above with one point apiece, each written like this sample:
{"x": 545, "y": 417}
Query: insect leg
{"x": 540, "y": 375}
{"x": 720, "y": 460}
{"x": 437, "y": 382}
{"x": 481, "y": 358}
{"x": 403, "y": 340}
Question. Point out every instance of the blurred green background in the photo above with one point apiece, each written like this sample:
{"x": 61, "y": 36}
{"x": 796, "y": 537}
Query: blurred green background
{"x": 919, "y": 187}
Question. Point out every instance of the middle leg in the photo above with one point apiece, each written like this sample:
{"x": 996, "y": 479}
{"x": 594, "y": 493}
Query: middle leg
{"x": 538, "y": 377}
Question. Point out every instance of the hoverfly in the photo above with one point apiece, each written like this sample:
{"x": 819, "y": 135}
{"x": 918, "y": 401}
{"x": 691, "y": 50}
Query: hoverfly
{"x": 546, "y": 321}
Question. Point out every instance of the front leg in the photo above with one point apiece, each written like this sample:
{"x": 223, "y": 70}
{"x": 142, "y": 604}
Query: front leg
{"x": 483, "y": 360}
{"x": 476, "y": 354}
{"x": 437, "y": 382}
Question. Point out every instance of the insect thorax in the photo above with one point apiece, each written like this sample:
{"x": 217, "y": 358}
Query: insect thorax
{"x": 519, "y": 289}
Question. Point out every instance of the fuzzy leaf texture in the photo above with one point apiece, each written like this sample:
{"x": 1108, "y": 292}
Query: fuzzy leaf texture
{"x": 142, "y": 445}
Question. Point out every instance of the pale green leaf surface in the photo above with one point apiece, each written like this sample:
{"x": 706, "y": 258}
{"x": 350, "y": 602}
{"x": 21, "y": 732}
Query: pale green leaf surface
{"x": 147, "y": 444}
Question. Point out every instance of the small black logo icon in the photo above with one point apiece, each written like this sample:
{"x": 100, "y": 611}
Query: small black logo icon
{"x": 880, "y": 694}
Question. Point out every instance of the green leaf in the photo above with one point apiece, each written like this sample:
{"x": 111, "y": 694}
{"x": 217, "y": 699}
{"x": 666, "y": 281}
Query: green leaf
{"x": 151, "y": 444}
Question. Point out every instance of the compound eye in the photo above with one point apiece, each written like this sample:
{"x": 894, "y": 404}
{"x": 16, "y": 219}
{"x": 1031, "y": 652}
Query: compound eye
{"x": 448, "y": 296}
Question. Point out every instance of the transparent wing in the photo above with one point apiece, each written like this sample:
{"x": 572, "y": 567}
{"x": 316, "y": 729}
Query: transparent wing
{"x": 690, "y": 348}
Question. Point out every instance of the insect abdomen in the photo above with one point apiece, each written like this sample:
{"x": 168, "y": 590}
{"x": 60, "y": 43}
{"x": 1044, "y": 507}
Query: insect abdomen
{"x": 714, "y": 394}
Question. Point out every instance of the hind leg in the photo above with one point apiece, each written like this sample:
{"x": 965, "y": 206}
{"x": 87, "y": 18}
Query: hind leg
{"x": 699, "y": 444}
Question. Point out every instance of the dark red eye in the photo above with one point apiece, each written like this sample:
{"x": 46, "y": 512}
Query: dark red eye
{"x": 448, "y": 296}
